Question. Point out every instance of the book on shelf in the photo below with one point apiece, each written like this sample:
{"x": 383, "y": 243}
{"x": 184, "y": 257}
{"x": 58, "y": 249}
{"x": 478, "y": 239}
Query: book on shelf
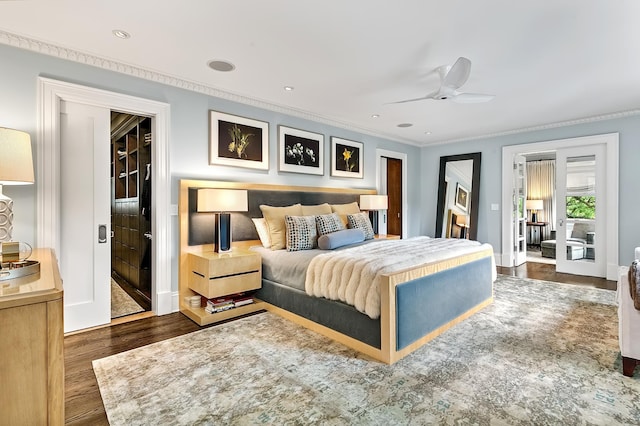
{"x": 221, "y": 304}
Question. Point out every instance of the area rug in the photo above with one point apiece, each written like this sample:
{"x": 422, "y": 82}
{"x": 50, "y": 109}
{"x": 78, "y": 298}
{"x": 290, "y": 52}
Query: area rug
{"x": 121, "y": 303}
{"x": 542, "y": 353}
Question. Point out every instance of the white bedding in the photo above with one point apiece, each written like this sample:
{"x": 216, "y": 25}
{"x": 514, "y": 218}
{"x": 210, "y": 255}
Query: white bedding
{"x": 353, "y": 275}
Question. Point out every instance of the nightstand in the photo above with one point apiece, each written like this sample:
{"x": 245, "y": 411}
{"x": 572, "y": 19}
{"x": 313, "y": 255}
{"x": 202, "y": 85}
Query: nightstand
{"x": 386, "y": 237}
{"x": 215, "y": 275}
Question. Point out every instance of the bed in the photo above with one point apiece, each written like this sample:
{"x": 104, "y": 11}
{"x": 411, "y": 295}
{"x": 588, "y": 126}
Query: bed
{"x": 416, "y": 303}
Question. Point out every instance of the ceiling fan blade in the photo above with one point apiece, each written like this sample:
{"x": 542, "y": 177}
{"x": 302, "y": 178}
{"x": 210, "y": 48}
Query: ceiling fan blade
{"x": 458, "y": 74}
{"x": 471, "y": 98}
{"x": 429, "y": 96}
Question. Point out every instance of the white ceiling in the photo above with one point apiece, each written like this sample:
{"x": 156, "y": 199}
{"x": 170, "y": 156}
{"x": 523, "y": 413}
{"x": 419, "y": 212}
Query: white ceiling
{"x": 548, "y": 63}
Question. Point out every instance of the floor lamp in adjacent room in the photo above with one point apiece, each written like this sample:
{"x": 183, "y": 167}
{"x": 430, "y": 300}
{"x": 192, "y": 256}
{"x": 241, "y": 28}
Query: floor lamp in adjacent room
{"x": 222, "y": 202}
{"x": 373, "y": 204}
{"x": 16, "y": 168}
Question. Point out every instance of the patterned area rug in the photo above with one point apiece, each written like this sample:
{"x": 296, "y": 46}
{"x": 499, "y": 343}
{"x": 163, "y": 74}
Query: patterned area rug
{"x": 121, "y": 303}
{"x": 543, "y": 353}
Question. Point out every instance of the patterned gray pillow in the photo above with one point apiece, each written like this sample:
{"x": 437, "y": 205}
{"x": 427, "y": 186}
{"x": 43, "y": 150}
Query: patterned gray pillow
{"x": 361, "y": 221}
{"x": 301, "y": 232}
{"x": 328, "y": 223}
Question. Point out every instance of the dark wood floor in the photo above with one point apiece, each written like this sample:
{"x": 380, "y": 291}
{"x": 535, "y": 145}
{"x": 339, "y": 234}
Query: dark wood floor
{"x": 83, "y": 404}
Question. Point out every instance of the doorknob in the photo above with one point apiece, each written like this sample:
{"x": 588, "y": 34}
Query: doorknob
{"x": 102, "y": 234}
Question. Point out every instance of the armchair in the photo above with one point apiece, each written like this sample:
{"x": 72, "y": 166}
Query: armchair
{"x": 628, "y": 323}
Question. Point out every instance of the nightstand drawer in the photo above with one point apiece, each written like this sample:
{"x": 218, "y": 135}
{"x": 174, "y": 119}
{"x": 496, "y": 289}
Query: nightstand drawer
{"x": 215, "y": 275}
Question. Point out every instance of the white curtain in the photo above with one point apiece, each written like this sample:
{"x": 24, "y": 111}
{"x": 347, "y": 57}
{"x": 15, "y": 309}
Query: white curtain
{"x": 541, "y": 185}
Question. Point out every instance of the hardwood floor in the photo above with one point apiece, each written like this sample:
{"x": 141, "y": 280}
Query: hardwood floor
{"x": 83, "y": 404}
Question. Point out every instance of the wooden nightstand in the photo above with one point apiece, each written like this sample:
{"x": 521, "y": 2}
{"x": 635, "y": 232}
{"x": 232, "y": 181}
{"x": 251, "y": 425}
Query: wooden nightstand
{"x": 215, "y": 275}
{"x": 386, "y": 237}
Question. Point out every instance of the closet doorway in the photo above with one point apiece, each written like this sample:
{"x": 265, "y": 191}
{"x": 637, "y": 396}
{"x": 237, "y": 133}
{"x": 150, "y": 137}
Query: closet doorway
{"x": 131, "y": 248}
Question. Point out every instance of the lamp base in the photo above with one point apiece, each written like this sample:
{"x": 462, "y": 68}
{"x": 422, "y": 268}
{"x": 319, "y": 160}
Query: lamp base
{"x": 534, "y": 217}
{"x": 223, "y": 230}
{"x": 373, "y": 217}
{"x": 6, "y": 217}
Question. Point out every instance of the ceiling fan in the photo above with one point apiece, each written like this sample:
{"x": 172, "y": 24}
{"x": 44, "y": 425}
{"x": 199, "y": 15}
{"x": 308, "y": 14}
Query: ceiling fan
{"x": 452, "y": 77}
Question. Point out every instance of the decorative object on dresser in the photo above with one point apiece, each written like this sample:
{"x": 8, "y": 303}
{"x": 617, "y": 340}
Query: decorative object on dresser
{"x": 534, "y": 206}
{"x": 347, "y": 158}
{"x": 300, "y": 151}
{"x": 222, "y": 201}
{"x": 238, "y": 141}
{"x": 373, "y": 204}
{"x": 16, "y": 168}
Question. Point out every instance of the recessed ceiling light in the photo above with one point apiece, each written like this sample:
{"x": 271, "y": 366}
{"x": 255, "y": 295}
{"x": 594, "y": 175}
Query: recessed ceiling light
{"x": 427, "y": 132}
{"x": 375, "y": 115}
{"x": 405, "y": 125}
{"x": 219, "y": 65}
{"x": 121, "y": 34}
{"x": 288, "y": 88}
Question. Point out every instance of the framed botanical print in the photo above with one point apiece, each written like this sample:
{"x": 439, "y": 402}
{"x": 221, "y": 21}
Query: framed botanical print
{"x": 300, "y": 151}
{"x": 238, "y": 141}
{"x": 346, "y": 158}
{"x": 462, "y": 197}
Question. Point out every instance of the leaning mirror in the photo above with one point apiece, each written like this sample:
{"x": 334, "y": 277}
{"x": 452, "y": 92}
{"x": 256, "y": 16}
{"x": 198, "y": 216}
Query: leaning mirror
{"x": 458, "y": 195}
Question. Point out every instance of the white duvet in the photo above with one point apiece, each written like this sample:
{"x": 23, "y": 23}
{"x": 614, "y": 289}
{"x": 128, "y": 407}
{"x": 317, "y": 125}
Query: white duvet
{"x": 353, "y": 275}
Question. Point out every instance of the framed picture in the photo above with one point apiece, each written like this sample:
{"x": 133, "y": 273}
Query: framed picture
{"x": 346, "y": 158}
{"x": 300, "y": 151}
{"x": 238, "y": 141}
{"x": 462, "y": 197}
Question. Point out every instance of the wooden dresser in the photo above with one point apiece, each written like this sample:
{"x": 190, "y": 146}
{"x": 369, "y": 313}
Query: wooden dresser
{"x": 31, "y": 346}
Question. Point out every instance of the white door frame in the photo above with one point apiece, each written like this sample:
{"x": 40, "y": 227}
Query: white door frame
{"x": 48, "y": 206}
{"x": 399, "y": 156}
{"x": 610, "y": 140}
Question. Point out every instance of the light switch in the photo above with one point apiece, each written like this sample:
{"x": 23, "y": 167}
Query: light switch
{"x": 495, "y": 207}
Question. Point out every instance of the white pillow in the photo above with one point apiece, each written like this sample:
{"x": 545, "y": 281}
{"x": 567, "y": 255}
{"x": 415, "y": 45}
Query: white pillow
{"x": 263, "y": 231}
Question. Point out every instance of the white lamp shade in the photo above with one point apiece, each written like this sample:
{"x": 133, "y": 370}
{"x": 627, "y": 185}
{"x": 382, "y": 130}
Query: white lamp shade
{"x": 373, "y": 202}
{"x": 222, "y": 200}
{"x": 16, "y": 162}
{"x": 534, "y": 205}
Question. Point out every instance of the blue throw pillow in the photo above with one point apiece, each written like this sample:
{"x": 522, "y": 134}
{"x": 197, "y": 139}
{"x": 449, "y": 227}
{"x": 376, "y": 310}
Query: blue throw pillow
{"x": 340, "y": 238}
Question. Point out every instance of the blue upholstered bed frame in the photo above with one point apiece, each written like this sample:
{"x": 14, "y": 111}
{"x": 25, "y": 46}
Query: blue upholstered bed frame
{"x": 414, "y": 310}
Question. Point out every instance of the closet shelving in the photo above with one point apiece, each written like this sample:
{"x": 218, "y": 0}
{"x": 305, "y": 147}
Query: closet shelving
{"x": 131, "y": 145}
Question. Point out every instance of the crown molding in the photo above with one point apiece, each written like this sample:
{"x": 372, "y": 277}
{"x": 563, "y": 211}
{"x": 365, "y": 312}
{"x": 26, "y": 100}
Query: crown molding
{"x": 49, "y": 49}
{"x": 592, "y": 119}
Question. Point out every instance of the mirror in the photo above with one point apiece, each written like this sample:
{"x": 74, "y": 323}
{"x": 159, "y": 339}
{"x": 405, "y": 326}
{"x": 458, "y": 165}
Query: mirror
{"x": 458, "y": 195}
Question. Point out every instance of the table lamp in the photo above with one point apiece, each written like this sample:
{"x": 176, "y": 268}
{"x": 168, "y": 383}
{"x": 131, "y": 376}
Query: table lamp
{"x": 221, "y": 202}
{"x": 373, "y": 204}
{"x": 16, "y": 168}
{"x": 462, "y": 222}
{"x": 534, "y": 206}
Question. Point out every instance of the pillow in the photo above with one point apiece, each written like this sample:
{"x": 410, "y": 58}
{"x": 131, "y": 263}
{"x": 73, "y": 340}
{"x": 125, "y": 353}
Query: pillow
{"x": 263, "y": 231}
{"x": 275, "y": 220}
{"x": 316, "y": 210}
{"x": 328, "y": 223}
{"x": 361, "y": 221}
{"x": 344, "y": 209}
{"x": 301, "y": 232}
{"x": 340, "y": 238}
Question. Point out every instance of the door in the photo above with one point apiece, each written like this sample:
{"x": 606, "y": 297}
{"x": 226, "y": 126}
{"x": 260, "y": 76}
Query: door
{"x": 85, "y": 246}
{"x": 394, "y": 194}
{"x": 519, "y": 211}
{"x": 581, "y": 212}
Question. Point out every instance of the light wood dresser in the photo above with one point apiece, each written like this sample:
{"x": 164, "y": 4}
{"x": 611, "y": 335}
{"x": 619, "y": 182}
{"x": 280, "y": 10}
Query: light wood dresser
{"x": 31, "y": 346}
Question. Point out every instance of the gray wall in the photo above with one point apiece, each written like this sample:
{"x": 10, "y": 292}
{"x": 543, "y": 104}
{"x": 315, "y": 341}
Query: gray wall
{"x": 188, "y": 134}
{"x": 489, "y": 222}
